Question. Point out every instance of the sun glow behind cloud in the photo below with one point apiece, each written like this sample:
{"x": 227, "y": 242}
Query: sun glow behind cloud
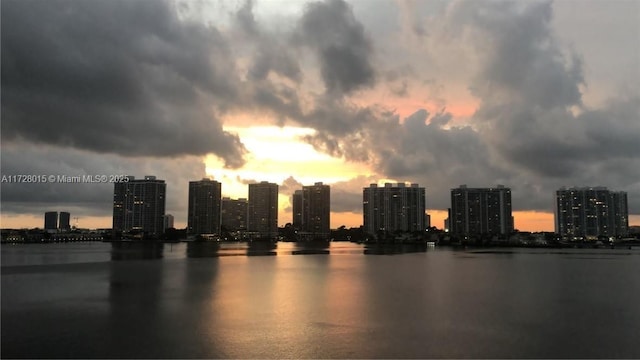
{"x": 277, "y": 153}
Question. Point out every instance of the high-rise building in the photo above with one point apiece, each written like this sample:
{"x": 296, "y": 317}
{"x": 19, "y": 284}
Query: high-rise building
{"x": 168, "y": 221}
{"x": 591, "y": 212}
{"x": 51, "y": 221}
{"x": 620, "y": 213}
{"x": 204, "y": 207}
{"x": 262, "y": 214}
{"x": 139, "y": 205}
{"x": 476, "y": 211}
{"x": 297, "y": 209}
{"x": 64, "y": 221}
{"x": 315, "y": 215}
{"x": 234, "y": 214}
{"x": 389, "y": 209}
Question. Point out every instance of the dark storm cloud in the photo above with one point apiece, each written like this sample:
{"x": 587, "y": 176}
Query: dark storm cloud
{"x": 341, "y": 45}
{"x": 123, "y": 77}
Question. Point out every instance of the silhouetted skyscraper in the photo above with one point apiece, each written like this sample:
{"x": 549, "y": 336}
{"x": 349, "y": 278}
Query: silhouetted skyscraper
{"x": 316, "y": 204}
{"x": 234, "y": 214}
{"x": 51, "y": 221}
{"x": 139, "y": 205}
{"x": 620, "y": 212}
{"x": 297, "y": 209}
{"x": 64, "y": 219}
{"x": 476, "y": 211}
{"x": 263, "y": 209}
{"x": 591, "y": 212}
{"x": 204, "y": 207}
{"x": 168, "y": 221}
{"x": 393, "y": 208}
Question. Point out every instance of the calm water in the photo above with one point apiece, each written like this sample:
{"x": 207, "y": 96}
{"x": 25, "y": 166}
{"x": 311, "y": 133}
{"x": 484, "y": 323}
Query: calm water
{"x": 96, "y": 300}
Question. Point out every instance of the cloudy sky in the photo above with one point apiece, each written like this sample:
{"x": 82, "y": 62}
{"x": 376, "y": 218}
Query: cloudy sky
{"x": 534, "y": 95}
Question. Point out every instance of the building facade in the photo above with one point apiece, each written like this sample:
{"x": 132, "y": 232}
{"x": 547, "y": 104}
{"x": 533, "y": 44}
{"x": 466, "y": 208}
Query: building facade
{"x": 620, "y": 213}
{"x": 64, "y": 221}
{"x": 296, "y": 202}
{"x": 314, "y": 222}
{"x": 204, "y": 214}
{"x": 51, "y": 221}
{"x": 168, "y": 221}
{"x": 234, "y": 214}
{"x": 590, "y": 212}
{"x": 139, "y": 205}
{"x": 393, "y": 208}
{"x": 477, "y": 211}
{"x": 262, "y": 209}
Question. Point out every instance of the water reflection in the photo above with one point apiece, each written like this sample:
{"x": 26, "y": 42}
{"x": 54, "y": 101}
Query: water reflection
{"x": 125, "y": 250}
{"x": 262, "y": 248}
{"x": 529, "y": 304}
{"x": 217, "y": 249}
{"x": 202, "y": 249}
{"x": 143, "y": 305}
{"x": 393, "y": 249}
{"x": 211, "y": 249}
{"x": 315, "y": 247}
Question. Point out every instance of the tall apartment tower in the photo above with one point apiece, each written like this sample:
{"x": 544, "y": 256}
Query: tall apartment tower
{"x": 203, "y": 216}
{"x": 316, "y": 210}
{"x": 476, "y": 211}
{"x": 51, "y": 221}
{"x": 297, "y": 209}
{"x": 620, "y": 213}
{"x": 262, "y": 214}
{"x": 168, "y": 221}
{"x": 393, "y": 208}
{"x": 139, "y": 204}
{"x": 64, "y": 221}
{"x": 234, "y": 214}
{"x": 591, "y": 212}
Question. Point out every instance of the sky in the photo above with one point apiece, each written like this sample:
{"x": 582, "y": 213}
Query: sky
{"x": 534, "y": 95}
